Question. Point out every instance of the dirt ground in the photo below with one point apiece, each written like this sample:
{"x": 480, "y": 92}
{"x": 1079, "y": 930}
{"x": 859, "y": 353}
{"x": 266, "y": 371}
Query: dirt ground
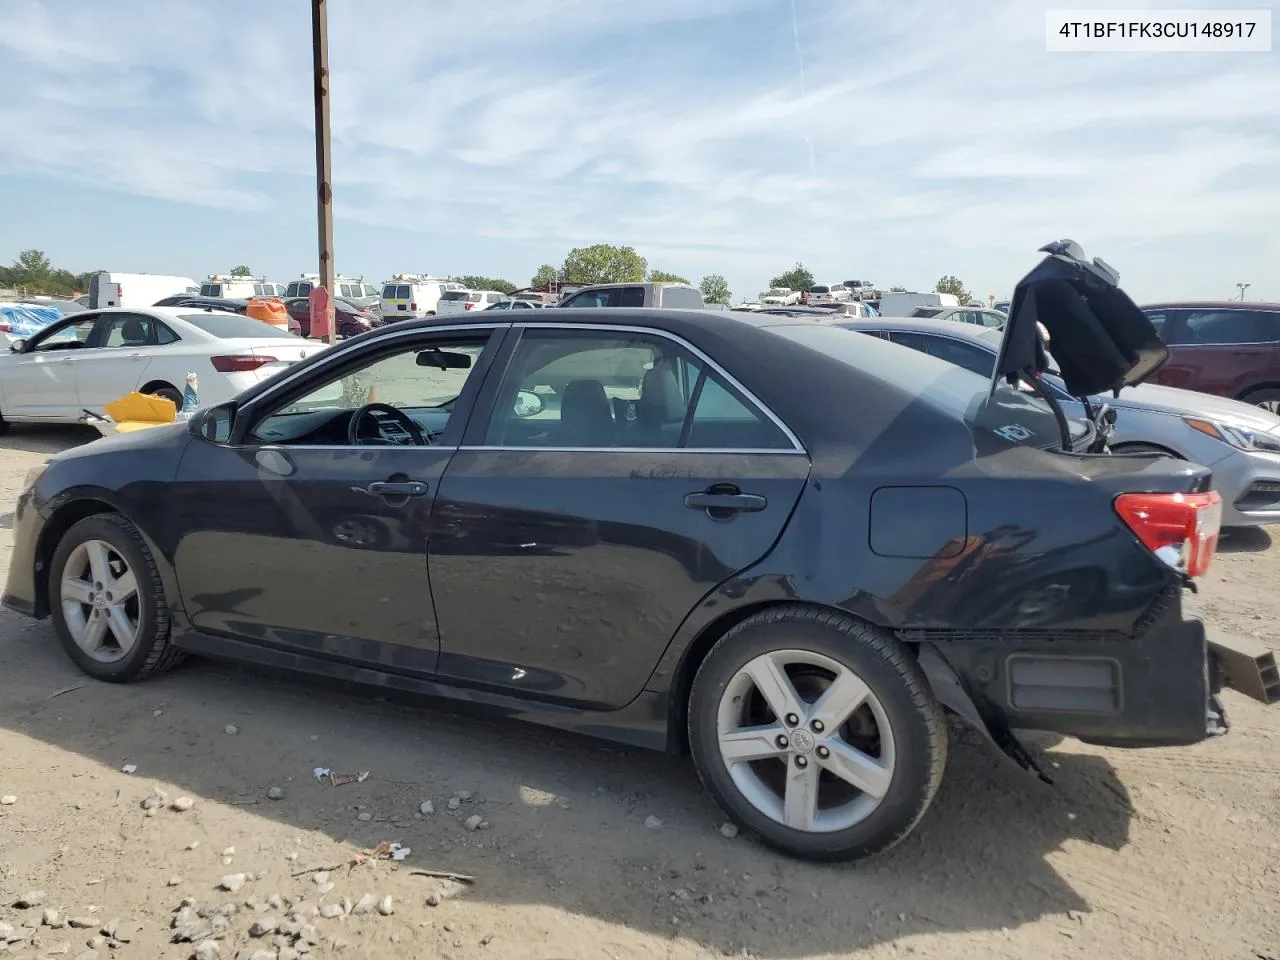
{"x": 1130, "y": 854}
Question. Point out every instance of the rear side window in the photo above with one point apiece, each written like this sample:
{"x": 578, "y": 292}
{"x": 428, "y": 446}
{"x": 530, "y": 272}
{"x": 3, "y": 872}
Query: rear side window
{"x": 230, "y": 326}
{"x": 610, "y": 297}
{"x": 164, "y": 335}
{"x": 636, "y": 391}
{"x": 925, "y": 312}
{"x": 454, "y": 295}
{"x": 494, "y": 297}
{"x": 682, "y": 298}
{"x": 1228, "y": 327}
{"x": 974, "y": 359}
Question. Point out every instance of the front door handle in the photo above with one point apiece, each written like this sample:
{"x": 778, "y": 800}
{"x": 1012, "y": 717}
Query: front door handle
{"x": 394, "y": 488}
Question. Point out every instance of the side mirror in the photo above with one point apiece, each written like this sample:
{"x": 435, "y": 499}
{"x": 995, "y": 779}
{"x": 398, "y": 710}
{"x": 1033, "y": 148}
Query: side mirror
{"x": 215, "y": 423}
{"x": 17, "y": 346}
{"x": 527, "y": 404}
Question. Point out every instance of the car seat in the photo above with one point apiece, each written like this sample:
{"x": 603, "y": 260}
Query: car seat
{"x": 133, "y": 333}
{"x": 585, "y": 417}
{"x": 660, "y": 407}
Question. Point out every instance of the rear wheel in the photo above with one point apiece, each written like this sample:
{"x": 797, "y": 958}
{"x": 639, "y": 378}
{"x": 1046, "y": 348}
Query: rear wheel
{"x": 1267, "y": 399}
{"x": 108, "y": 601}
{"x": 818, "y": 732}
{"x": 164, "y": 390}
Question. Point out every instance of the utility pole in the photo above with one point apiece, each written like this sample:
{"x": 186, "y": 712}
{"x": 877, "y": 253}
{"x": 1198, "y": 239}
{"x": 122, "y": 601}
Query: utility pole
{"x": 1243, "y": 287}
{"x": 324, "y": 169}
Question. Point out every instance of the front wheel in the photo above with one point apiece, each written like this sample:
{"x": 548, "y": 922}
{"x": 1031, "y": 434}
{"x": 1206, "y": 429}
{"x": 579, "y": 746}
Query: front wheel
{"x": 1266, "y": 399}
{"x": 817, "y": 732}
{"x": 108, "y": 601}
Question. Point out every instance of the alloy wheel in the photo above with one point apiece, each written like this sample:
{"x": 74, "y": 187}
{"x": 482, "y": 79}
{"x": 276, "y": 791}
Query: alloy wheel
{"x": 1272, "y": 406}
{"x": 806, "y": 741}
{"x": 99, "y": 594}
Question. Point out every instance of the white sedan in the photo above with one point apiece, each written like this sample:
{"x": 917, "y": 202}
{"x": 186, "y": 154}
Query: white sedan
{"x": 86, "y": 360}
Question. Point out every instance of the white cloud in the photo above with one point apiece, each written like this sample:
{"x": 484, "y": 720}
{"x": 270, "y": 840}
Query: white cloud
{"x": 944, "y": 138}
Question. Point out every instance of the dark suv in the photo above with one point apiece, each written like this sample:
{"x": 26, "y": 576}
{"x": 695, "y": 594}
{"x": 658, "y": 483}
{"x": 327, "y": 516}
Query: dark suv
{"x": 1225, "y": 347}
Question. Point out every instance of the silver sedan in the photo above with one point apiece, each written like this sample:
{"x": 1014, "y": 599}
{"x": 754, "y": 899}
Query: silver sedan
{"x": 1239, "y": 442}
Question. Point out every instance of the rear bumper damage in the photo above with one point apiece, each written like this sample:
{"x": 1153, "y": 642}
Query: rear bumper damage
{"x": 1159, "y": 688}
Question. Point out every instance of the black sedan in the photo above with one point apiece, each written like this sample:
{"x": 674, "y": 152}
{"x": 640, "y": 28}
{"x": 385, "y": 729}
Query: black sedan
{"x": 750, "y": 537}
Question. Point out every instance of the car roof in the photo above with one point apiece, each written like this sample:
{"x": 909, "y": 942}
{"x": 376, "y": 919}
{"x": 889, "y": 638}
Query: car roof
{"x": 1212, "y": 305}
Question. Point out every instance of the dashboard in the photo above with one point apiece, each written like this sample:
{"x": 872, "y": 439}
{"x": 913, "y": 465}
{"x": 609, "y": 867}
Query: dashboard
{"x": 329, "y": 427}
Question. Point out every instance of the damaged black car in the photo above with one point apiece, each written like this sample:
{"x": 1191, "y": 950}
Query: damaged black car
{"x": 783, "y": 548}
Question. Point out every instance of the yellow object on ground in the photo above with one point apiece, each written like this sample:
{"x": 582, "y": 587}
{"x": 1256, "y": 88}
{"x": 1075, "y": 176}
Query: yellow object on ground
{"x": 137, "y": 411}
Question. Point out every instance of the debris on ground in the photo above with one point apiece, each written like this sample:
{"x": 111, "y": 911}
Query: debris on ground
{"x": 231, "y": 729}
{"x": 653, "y": 823}
{"x": 275, "y": 793}
{"x": 341, "y": 779}
{"x": 8, "y": 800}
{"x": 729, "y": 830}
{"x": 426, "y": 808}
{"x": 183, "y": 803}
{"x": 129, "y": 768}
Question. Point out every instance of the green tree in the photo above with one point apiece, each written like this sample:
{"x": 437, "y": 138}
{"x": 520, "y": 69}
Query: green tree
{"x": 951, "y": 284}
{"x": 473, "y": 282}
{"x": 797, "y": 278}
{"x": 661, "y": 276}
{"x": 546, "y": 274}
{"x": 32, "y": 271}
{"x": 604, "y": 263}
{"x": 241, "y": 271}
{"x": 715, "y": 289}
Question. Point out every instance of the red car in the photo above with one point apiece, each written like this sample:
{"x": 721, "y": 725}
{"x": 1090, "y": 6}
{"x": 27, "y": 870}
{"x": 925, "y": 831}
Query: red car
{"x": 350, "y": 319}
{"x": 1229, "y": 348}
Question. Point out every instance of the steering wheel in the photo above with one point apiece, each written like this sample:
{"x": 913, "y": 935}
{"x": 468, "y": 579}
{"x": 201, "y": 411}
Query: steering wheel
{"x": 411, "y": 427}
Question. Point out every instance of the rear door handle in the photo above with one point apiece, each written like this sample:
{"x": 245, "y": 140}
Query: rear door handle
{"x": 742, "y": 502}
{"x": 392, "y": 488}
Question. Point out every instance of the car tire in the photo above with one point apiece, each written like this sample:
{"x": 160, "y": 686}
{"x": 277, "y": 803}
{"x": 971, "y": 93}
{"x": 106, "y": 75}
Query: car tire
{"x": 1267, "y": 399}
{"x": 1147, "y": 449}
{"x": 169, "y": 393}
{"x": 4, "y": 425}
{"x": 893, "y": 742}
{"x": 92, "y": 620}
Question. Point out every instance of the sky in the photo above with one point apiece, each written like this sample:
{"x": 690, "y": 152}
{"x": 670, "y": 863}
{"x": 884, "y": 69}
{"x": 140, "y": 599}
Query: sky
{"x": 886, "y": 141}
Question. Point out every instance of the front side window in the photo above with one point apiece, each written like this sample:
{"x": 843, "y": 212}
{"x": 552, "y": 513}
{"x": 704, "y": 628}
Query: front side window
{"x": 71, "y": 337}
{"x": 598, "y": 390}
{"x": 411, "y": 395}
{"x": 494, "y": 297}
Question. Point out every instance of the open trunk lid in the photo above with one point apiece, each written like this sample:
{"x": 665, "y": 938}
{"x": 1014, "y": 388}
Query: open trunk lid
{"x": 1101, "y": 340}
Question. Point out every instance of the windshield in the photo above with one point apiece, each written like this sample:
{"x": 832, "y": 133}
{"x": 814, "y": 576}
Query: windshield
{"x": 232, "y": 326}
{"x": 1011, "y": 415}
{"x": 819, "y": 289}
{"x": 778, "y": 292}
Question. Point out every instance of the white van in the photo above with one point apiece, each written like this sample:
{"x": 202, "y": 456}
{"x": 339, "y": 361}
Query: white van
{"x": 901, "y": 304}
{"x": 407, "y": 296}
{"x": 352, "y": 289}
{"x": 108, "y": 289}
{"x": 240, "y": 288}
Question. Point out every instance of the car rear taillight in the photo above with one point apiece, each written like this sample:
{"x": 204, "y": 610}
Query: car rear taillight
{"x": 5, "y": 328}
{"x": 413, "y": 307}
{"x": 467, "y": 306}
{"x": 1179, "y": 528}
{"x": 240, "y": 363}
